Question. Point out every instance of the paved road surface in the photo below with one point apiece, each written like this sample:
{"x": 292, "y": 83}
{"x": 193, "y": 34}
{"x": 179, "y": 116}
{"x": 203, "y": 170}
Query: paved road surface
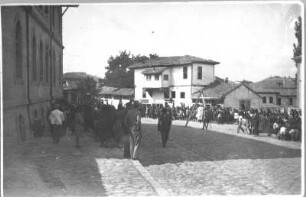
{"x": 193, "y": 163}
{"x": 200, "y": 163}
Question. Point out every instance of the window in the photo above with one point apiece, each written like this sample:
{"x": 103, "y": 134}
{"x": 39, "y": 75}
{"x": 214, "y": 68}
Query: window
{"x": 264, "y": 99}
{"x": 182, "y": 94}
{"x": 73, "y": 97}
{"x": 144, "y": 95}
{"x": 166, "y": 94}
{"x": 46, "y": 9}
{"x": 47, "y": 64}
{"x": 290, "y": 101}
{"x": 185, "y": 72}
{"x": 270, "y": 99}
{"x": 199, "y": 72}
{"x": 172, "y": 94}
{"x": 41, "y": 62}
{"x": 34, "y": 68}
{"x": 53, "y": 15}
{"x": 156, "y": 77}
{"x": 166, "y": 77}
{"x": 279, "y": 101}
{"x": 53, "y": 68}
{"x": 59, "y": 21}
{"x": 60, "y": 70}
{"x": 18, "y": 52}
{"x": 148, "y": 77}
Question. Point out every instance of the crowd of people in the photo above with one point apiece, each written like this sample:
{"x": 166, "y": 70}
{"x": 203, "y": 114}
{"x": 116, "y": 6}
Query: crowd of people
{"x": 121, "y": 126}
{"x": 284, "y": 125}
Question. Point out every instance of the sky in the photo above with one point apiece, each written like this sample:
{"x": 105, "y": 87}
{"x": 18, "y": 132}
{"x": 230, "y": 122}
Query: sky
{"x": 252, "y": 41}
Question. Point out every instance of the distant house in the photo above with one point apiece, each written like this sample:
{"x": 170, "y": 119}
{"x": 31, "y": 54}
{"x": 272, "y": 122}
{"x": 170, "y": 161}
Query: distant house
{"x": 273, "y": 92}
{"x": 173, "y": 78}
{"x": 231, "y": 95}
{"x": 214, "y": 93}
{"x": 279, "y": 91}
{"x": 113, "y": 95}
{"x": 71, "y": 90}
{"x": 242, "y": 97}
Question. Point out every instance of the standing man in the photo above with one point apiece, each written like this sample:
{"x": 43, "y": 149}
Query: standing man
{"x": 132, "y": 120}
{"x": 240, "y": 118}
{"x": 56, "y": 119}
{"x": 164, "y": 125}
{"x": 255, "y": 123}
{"x": 79, "y": 125}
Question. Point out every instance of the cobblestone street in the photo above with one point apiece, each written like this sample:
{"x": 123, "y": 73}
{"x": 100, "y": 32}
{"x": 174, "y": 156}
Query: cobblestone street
{"x": 203, "y": 163}
{"x": 193, "y": 163}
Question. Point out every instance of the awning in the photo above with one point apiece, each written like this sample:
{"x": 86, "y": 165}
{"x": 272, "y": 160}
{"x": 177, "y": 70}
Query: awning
{"x": 155, "y": 70}
{"x": 123, "y": 92}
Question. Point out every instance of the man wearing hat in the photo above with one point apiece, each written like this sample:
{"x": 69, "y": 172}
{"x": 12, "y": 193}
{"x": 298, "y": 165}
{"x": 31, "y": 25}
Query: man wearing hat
{"x": 132, "y": 122}
{"x": 56, "y": 119}
{"x": 164, "y": 125}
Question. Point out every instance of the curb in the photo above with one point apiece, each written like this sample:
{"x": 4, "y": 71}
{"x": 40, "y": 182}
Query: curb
{"x": 157, "y": 187}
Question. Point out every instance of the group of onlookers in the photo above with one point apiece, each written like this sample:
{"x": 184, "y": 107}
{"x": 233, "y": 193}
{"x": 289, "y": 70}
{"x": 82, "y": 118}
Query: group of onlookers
{"x": 194, "y": 113}
{"x": 253, "y": 121}
{"x": 109, "y": 123}
{"x": 283, "y": 125}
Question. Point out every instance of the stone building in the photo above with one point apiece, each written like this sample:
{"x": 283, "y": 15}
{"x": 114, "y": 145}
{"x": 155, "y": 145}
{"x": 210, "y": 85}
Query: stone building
{"x": 276, "y": 90}
{"x": 172, "y": 78}
{"x": 32, "y": 65}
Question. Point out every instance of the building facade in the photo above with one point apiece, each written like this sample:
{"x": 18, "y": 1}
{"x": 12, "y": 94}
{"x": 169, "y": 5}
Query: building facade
{"x": 277, "y": 91}
{"x": 271, "y": 93}
{"x": 242, "y": 97}
{"x": 172, "y": 78}
{"x": 32, "y": 65}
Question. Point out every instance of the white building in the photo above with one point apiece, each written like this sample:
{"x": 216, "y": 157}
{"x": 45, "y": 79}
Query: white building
{"x": 176, "y": 78}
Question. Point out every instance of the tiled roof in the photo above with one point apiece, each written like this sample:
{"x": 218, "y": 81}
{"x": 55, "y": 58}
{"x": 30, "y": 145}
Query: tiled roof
{"x": 282, "y": 85}
{"x": 172, "y": 61}
{"x": 154, "y": 70}
{"x": 78, "y": 76}
{"x": 217, "y": 91}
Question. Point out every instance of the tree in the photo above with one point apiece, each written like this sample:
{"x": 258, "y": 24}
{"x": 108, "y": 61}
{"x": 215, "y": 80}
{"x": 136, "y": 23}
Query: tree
{"x": 297, "y": 48}
{"x": 87, "y": 87}
{"x": 117, "y": 74}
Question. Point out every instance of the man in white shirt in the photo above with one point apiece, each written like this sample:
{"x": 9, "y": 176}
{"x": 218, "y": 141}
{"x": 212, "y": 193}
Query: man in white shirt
{"x": 56, "y": 119}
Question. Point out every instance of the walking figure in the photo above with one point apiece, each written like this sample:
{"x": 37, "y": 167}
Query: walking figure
{"x": 164, "y": 125}
{"x": 240, "y": 121}
{"x": 132, "y": 120}
{"x": 56, "y": 119}
{"x": 79, "y": 126}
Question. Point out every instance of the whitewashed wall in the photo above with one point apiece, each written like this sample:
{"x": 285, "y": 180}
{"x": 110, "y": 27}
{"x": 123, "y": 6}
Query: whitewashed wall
{"x": 207, "y": 74}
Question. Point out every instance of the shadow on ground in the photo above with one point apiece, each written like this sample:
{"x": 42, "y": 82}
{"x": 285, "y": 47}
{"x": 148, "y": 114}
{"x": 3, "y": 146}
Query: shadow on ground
{"x": 44, "y": 169}
{"x": 190, "y": 144}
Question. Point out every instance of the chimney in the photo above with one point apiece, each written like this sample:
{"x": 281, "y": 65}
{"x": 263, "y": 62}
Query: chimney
{"x": 226, "y": 80}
